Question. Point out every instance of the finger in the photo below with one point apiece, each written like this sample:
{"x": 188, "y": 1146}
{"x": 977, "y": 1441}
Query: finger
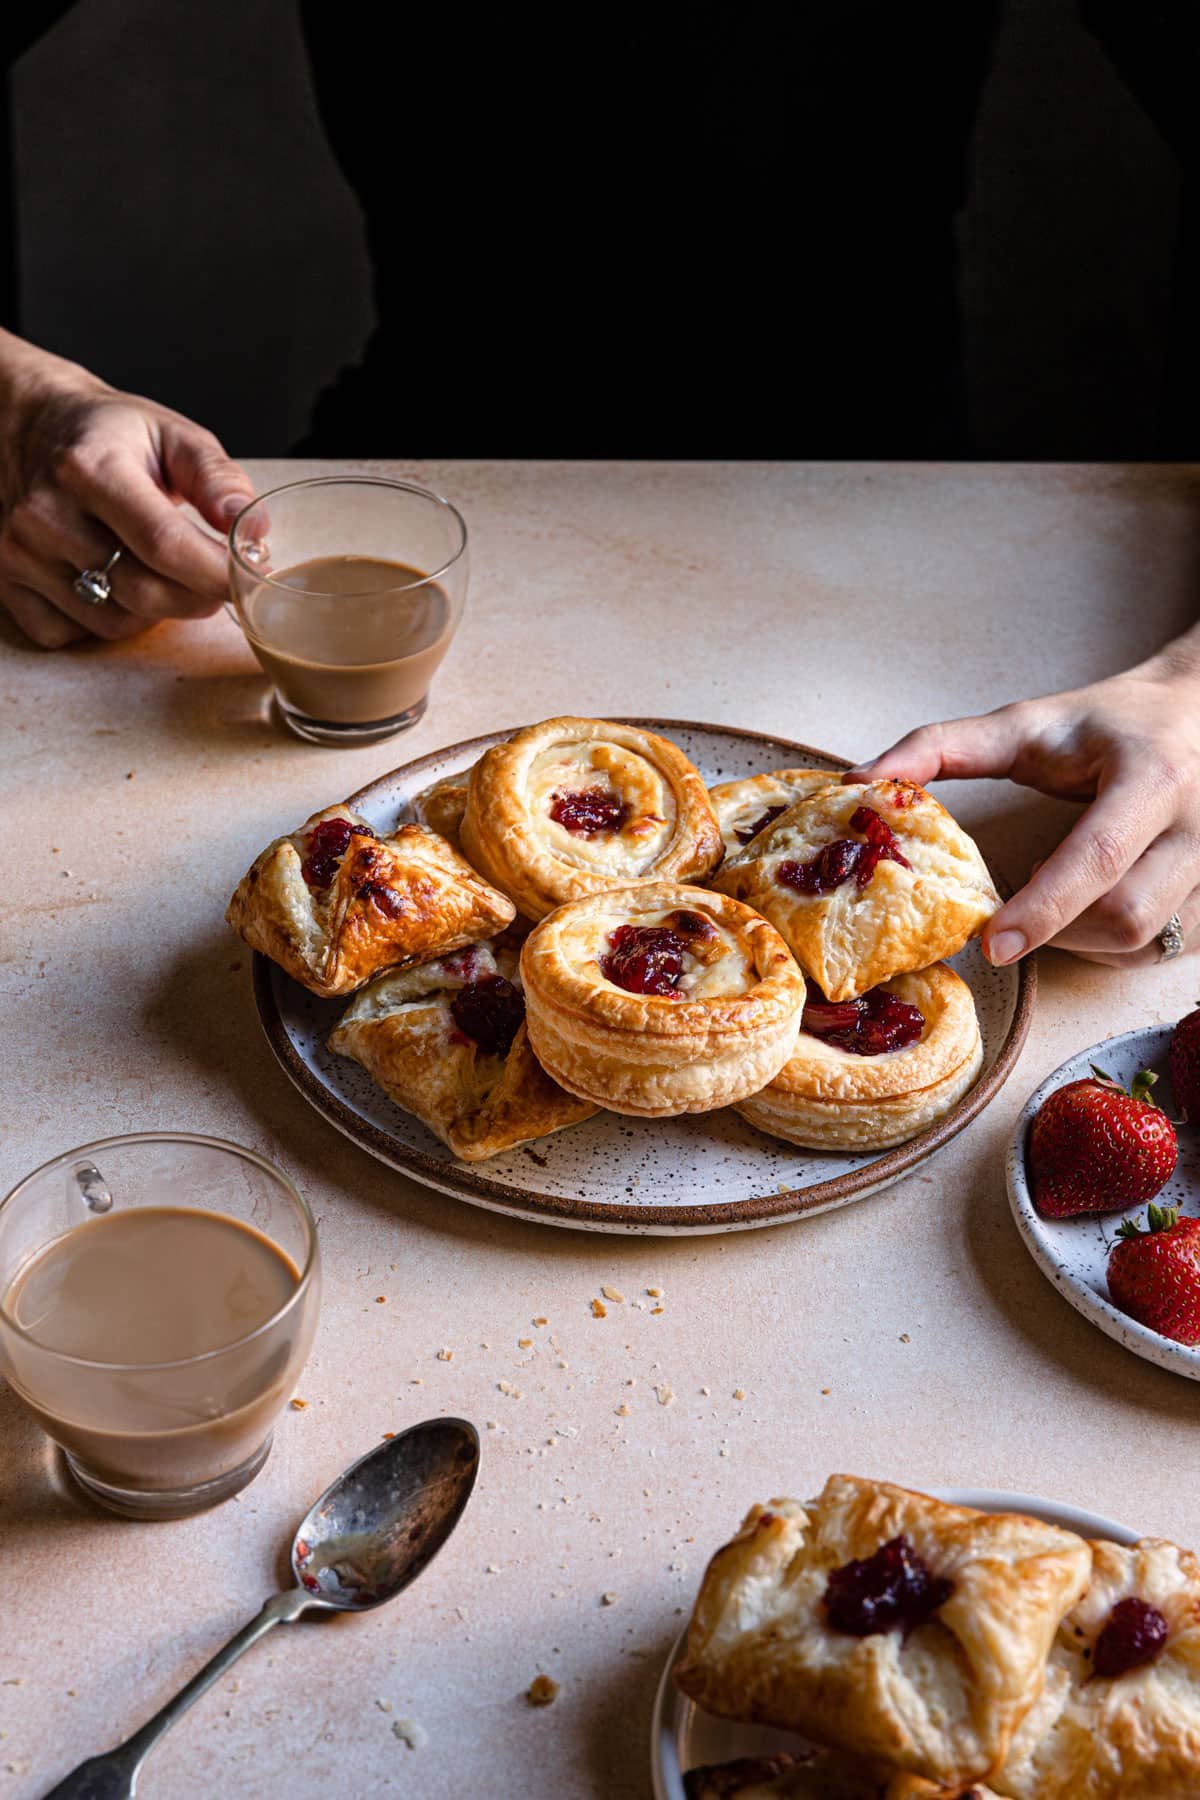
{"x": 1130, "y": 916}
{"x": 1103, "y": 843}
{"x": 123, "y": 495}
{"x": 955, "y": 749}
{"x": 200, "y": 472}
{"x": 109, "y": 621}
{"x": 1189, "y": 919}
{"x": 55, "y": 528}
{"x": 48, "y": 628}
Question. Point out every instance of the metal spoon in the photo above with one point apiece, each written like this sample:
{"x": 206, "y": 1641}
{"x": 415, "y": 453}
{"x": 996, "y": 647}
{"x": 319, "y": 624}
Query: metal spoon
{"x": 367, "y": 1537}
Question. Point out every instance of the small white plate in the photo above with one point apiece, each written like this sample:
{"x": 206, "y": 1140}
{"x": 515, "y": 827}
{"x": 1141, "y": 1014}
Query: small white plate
{"x": 1073, "y": 1253}
{"x": 682, "y": 1737}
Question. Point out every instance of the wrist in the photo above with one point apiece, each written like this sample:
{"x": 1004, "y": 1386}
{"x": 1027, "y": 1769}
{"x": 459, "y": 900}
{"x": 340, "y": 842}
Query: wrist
{"x": 1177, "y": 664}
{"x": 29, "y": 374}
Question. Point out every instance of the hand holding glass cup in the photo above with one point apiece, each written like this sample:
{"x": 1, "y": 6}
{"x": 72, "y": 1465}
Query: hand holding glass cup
{"x": 349, "y": 590}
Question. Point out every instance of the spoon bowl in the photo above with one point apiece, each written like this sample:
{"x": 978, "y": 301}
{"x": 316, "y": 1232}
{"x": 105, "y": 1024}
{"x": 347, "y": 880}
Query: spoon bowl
{"x": 386, "y": 1517}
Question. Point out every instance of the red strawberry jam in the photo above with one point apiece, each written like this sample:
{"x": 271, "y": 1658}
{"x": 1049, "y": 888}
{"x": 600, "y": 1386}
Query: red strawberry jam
{"x": 644, "y": 959}
{"x": 893, "y": 1587}
{"x": 838, "y": 861}
{"x": 327, "y": 843}
{"x": 589, "y": 813}
{"x": 744, "y": 833}
{"x": 1133, "y": 1635}
{"x": 490, "y": 1012}
{"x": 870, "y": 1026}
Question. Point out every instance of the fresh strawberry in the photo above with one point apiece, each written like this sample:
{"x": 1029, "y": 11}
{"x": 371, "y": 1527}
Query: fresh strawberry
{"x": 1183, "y": 1061}
{"x": 1155, "y": 1276}
{"x": 1096, "y": 1147}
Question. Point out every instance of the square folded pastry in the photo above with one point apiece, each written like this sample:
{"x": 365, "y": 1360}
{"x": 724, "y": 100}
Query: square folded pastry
{"x": 864, "y": 882}
{"x": 448, "y": 1042}
{"x": 1119, "y": 1715}
{"x": 884, "y": 1623}
{"x": 334, "y": 904}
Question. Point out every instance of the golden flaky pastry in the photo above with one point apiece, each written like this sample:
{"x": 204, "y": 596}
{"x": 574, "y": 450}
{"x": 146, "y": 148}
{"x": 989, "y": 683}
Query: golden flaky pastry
{"x": 938, "y": 1681}
{"x": 333, "y": 904}
{"x": 660, "y": 999}
{"x": 746, "y": 807}
{"x": 440, "y": 806}
{"x": 448, "y": 1042}
{"x": 573, "y": 806}
{"x": 1131, "y": 1736}
{"x": 821, "y": 1775}
{"x": 865, "y": 881}
{"x": 832, "y": 1096}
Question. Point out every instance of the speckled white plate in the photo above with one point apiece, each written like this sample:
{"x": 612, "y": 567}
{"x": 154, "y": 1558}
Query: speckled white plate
{"x": 708, "y": 1172}
{"x": 1073, "y": 1253}
{"x": 682, "y": 1737}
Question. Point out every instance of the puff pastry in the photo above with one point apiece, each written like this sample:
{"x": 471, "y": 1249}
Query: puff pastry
{"x": 832, "y": 1096}
{"x": 573, "y": 806}
{"x": 746, "y": 807}
{"x": 660, "y": 999}
{"x": 447, "y": 1042}
{"x": 793, "y": 1625}
{"x": 334, "y": 904}
{"x": 865, "y": 881}
{"x": 441, "y": 805}
{"x": 1131, "y": 1736}
{"x": 812, "y": 1775}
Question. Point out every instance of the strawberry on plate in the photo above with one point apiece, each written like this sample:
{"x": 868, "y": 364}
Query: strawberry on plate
{"x": 1096, "y": 1147}
{"x": 1154, "y": 1276}
{"x": 1183, "y": 1061}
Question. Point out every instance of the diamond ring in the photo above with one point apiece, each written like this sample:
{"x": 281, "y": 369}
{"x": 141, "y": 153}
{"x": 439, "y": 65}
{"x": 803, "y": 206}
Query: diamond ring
{"x": 1170, "y": 939}
{"x": 93, "y": 585}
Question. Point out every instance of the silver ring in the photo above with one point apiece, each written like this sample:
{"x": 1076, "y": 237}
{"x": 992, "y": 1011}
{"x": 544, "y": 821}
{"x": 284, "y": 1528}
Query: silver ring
{"x": 1170, "y": 939}
{"x": 93, "y": 585}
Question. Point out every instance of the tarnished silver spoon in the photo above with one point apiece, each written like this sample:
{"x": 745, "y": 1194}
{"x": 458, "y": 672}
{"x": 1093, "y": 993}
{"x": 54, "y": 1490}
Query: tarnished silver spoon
{"x": 367, "y": 1537}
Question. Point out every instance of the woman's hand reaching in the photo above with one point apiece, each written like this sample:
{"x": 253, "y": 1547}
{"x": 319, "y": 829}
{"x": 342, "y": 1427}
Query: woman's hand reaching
{"x": 85, "y": 470}
{"x": 1130, "y": 747}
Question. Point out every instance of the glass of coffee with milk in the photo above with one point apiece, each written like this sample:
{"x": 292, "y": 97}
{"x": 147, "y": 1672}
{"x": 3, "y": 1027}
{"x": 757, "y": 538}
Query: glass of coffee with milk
{"x": 349, "y": 590}
{"x": 158, "y": 1298}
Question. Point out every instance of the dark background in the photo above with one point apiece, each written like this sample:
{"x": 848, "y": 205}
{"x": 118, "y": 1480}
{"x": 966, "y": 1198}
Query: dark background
{"x": 184, "y": 230}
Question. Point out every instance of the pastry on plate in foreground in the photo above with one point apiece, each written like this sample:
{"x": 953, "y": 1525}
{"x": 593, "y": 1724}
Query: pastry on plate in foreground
{"x": 870, "y": 1073}
{"x": 819, "y": 1775}
{"x": 746, "y": 807}
{"x": 661, "y": 999}
{"x": 572, "y": 806}
{"x": 864, "y": 882}
{"x": 334, "y": 904}
{"x": 440, "y": 807}
{"x": 885, "y": 1624}
{"x": 448, "y": 1042}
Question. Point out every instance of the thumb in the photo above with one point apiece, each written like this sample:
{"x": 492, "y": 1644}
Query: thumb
{"x": 957, "y": 749}
{"x": 199, "y": 471}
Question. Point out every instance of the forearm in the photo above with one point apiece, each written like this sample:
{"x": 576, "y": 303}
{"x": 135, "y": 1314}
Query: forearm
{"x": 26, "y": 370}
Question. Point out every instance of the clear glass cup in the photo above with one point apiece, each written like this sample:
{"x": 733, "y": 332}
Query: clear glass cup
{"x": 349, "y": 590}
{"x": 158, "y": 1439}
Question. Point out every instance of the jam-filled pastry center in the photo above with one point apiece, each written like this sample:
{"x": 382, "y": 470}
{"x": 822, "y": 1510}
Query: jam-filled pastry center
{"x": 489, "y": 1012}
{"x": 323, "y": 847}
{"x": 603, "y": 806}
{"x": 875, "y": 1024}
{"x": 894, "y": 1587}
{"x": 683, "y": 954}
{"x": 1132, "y": 1636}
{"x": 846, "y": 859}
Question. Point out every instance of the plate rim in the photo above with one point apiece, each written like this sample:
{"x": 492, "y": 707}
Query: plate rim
{"x": 1141, "y": 1340}
{"x": 667, "y": 1778}
{"x": 566, "y": 1210}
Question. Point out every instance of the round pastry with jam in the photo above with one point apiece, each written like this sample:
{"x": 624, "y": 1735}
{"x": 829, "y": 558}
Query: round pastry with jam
{"x": 573, "y": 806}
{"x": 448, "y": 1042}
{"x": 870, "y": 1073}
{"x": 865, "y": 881}
{"x": 661, "y": 999}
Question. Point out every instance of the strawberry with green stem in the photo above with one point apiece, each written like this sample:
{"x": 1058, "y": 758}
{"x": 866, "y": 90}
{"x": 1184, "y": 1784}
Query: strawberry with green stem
{"x": 1096, "y": 1147}
{"x": 1154, "y": 1275}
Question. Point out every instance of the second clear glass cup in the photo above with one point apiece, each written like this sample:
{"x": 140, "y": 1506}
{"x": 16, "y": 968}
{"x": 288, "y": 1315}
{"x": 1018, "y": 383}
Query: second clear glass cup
{"x": 349, "y": 590}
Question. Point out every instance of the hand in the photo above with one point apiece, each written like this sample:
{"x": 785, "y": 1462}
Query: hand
{"x": 1131, "y": 747}
{"x": 85, "y": 469}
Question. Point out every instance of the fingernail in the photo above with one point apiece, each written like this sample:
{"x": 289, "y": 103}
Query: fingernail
{"x": 233, "y": 504}
{"x": 1006, "y": 946}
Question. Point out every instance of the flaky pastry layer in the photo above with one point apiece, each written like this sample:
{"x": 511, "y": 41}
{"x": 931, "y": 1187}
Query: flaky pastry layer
{"x": 740, "y": 805}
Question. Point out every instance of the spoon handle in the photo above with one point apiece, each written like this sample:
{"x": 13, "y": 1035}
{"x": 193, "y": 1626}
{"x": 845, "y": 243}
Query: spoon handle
{"x": 113, "y": 1776}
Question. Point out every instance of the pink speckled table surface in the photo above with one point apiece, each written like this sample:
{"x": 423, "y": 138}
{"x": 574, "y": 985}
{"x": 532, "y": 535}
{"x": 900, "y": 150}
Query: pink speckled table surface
{"x": 910, "y": 1337}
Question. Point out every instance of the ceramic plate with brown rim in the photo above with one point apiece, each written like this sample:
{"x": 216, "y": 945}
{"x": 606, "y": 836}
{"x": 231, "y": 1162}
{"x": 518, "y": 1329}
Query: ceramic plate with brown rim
{"x": 706, "y": 1172}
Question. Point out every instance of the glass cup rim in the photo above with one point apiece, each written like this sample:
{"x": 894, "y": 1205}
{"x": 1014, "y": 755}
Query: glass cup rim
{"x": 378, "y": 481}
{"x": 171, "y": 1137}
